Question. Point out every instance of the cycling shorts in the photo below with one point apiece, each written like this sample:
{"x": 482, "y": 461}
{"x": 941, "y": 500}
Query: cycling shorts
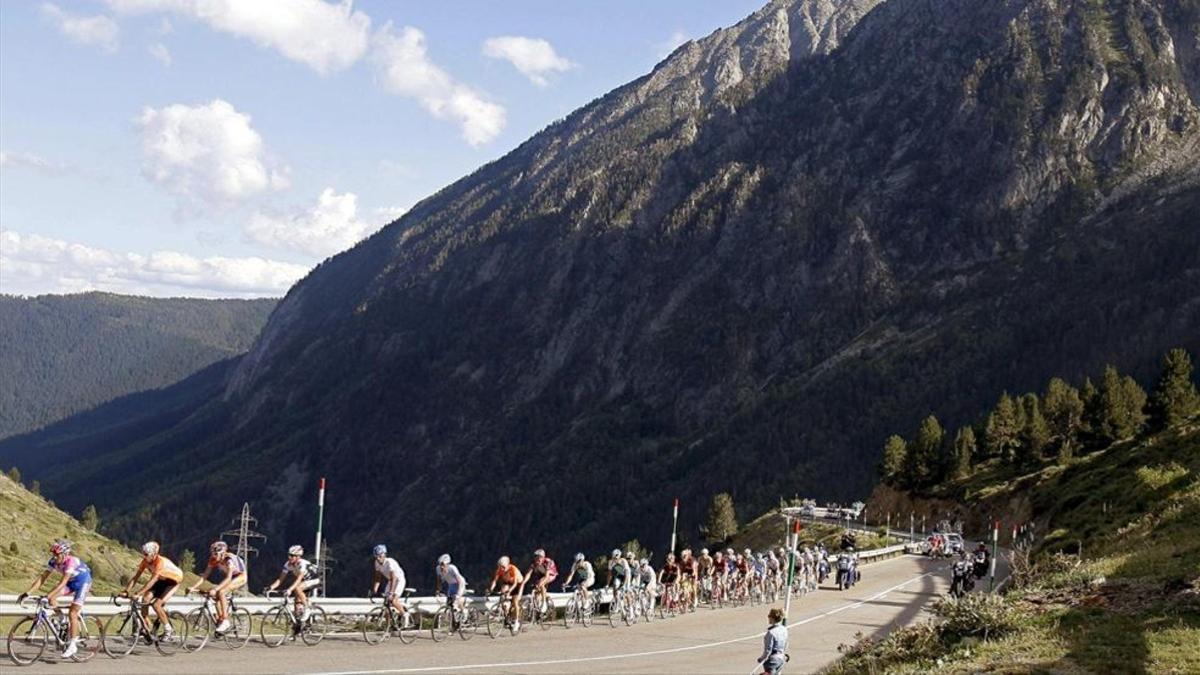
{"x": 162, "y": 588}
{"x": 79, "y": 588}
{"x": 308, "y": 584}
{"x": 536, "y": 579}
{"x": 587, "y": 583}
{"x": 452, "y": 590}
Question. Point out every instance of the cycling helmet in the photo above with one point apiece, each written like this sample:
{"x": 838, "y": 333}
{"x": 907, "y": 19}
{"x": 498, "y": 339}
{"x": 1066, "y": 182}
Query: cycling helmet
{"x": 643, "y": 562}
{"x": 758, "y": 556}
{"x": 150, "y": 548}
{"x": 444, "y": 559}
{"x": 540, "y": 553}
{"x": 379, "y": 549}
{"x": 219, "y": 546}
{"x": 503, "y": 561}
{"x": 746, "y": 552}
{"x": 60, "y": 546}
{"x": 729, "y": 551}
{"x": 670, "y": 556}
{"x": 579, "y": 557}
{"x": 616, "y": 553}
{"x": 703, "y": 551}
{"x": 296, "y": 550}
{"x": 629, "y": 554}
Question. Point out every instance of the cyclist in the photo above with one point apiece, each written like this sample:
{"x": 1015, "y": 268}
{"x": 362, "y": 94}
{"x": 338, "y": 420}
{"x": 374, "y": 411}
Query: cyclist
{"x": 76, "y": 579}
{"x": 235, "y": 577}
{"x": 304, "y": 577}
{"x": 165, "y": 577}
{"x": 620, "y": 573}
{"x": 669, "y": 575}
{"x": 687, "y": 578}
{"x": 648, "y": 580}
{"x": 456, "y": 583}
{"x": 387, "y": 569}
{"x": 541, "y": 572}
{"x": 587, "y": 576}
{"x": 773, "y": 568}
{"x": 512, "y": 582}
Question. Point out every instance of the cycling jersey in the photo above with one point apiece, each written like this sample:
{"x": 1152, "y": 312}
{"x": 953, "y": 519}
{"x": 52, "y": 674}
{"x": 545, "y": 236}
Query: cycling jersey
{"x": 670, "y": 573}
{"x": 451, "y": 576}
{"x": 545, "y": 570}
{"x": 79, "y": 576}
{"x": 230, "y": 563}
{"x": 587, "y": 574}
{"x": 743, "y": 567}
{"x": 687, "y": 567}
{"x": 509, "y": 576}
{"x": 705, "y": 564}
{"x": 621, "y": 572}
{"x": 300, "y": 568}
{"x": 164, "y": 568}
{"x": 760, "y": 568}
{"x": 390, "y": 570}
{"x": 646, "y": 575}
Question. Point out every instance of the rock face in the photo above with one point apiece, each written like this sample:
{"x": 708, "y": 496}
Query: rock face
{"x": 739, "y": 272}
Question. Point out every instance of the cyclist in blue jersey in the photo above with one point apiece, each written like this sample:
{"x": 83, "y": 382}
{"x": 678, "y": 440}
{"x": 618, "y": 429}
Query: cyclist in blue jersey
{"x": 76, "y": 580}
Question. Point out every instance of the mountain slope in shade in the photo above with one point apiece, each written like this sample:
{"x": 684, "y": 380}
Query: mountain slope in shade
{"x": 64, "y": 354}
{"x": 738, "y": 273}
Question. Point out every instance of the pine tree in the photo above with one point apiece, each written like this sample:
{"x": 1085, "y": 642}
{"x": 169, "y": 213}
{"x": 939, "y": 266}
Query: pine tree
{"x": 1063, "y": 409}
{"x": 895, "y": 452}
{"x": 15, "y": 474}
{"x": 1121, "y": 407}
{"x": 187, "y": 561}
{"x": 90, "y": 519}
{"x": 964, "y": 450}
{"x": 1002, "y": 430}
{"x": 1135, "y": 405}
{"x": 925, "y": 452}
{"x": 1175, "y": 397}
{"x": 1035, "y": 434}
{"x": 722, "y": 519}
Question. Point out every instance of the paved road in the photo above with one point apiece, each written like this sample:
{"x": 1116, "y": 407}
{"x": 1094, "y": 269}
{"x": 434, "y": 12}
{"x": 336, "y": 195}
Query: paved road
{"x": 893, "y": 592}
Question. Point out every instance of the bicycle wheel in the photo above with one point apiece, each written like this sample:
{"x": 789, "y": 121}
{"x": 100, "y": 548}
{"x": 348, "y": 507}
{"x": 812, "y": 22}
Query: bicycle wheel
{"x": 167, "y": 642}
{"x": 571, "y": 612}
{"x": 275, "y": 627}
{"x": 547, "y": 612}
{"x": 240, "y": 625}
{"x": 408, "y": 625}
{"x": 121, "y": 635}
{"x": 91, "y": 636}
{"x": 27, "y": 639}
{"x": 588, "y": 610}
{"x": 443, "y": 624}
{"x": 496, "y": 620}
{"x": 315, "y": 628}
{"x": 376, "y": 625}
{"x": 469, "y": 623}
{"x": 199, "y": 629}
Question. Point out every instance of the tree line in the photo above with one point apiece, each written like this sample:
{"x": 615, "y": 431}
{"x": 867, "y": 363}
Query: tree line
{"x": 1031, "y": 429}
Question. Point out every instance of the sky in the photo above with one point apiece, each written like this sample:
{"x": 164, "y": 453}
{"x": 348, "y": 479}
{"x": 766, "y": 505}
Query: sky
{"x": 222, "y": 148}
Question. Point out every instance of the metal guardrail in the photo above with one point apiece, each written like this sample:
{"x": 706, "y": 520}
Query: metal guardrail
{"x": 102, "y": 605}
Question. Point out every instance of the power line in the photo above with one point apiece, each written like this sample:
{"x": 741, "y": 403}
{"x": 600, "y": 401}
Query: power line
{"x": 244, "y": 533}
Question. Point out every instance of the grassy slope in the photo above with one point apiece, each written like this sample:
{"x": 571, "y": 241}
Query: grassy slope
{"x": 31, "y": 522}
{"x": 1132, "y": 603}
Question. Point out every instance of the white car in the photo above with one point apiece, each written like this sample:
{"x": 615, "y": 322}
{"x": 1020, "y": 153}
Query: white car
{"x": 954, "y": 542}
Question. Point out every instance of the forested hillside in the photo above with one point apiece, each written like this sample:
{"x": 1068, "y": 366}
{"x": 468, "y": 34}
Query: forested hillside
{"x": 63, "y": 354}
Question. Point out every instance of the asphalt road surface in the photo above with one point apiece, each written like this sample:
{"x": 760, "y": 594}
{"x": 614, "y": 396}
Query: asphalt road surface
{"x": 892, "y": 593}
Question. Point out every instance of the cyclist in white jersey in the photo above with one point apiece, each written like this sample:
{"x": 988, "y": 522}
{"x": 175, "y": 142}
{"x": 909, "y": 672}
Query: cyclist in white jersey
{"x": 620, "y": 571}
{"x": 587, "y": 575}
{"x": 304, "y": 577}
{"x": 456, "y": 583}
{"x": 388, "y": 570}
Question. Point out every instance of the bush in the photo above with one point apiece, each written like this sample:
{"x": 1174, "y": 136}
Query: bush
{"x": 914, "y": 644}
{"x": 979, "y": 615}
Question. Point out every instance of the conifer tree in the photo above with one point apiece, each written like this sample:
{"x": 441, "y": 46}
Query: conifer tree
{"x": 1121, "y": 407}
{"x": 1063, "y": 409}
{"x": 722, "y": 519}
{"x": 1175, "y": 397}
{"x": 187, "y": 561}
{"x": 1035, "y": 434}
{"x": 895, "y": 452}
{"x": 964, "y": 450}
{"x": 925, "y": 452}
{"x": 90, "y": 519}
{"x": 1002, "y": 431}
{"x": 15, "y": 474}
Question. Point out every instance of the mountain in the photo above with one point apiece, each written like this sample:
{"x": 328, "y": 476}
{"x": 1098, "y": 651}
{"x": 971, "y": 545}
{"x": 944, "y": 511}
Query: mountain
{"x": 62, "y": 354}
{"x": 737, "y": 273}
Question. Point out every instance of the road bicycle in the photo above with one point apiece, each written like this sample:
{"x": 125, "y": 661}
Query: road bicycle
{"x": 646, "y": 602}
{"x": 580, "y": 607}
{"x": 498, "y": 616}
{"x": 379, "y": 624}
{"x": 124, "y": 631}
{"x": 281, "y": 623}
{"x": 625, "y": 607}
{"x": 669, "y": 603}
{"x": 451, "y": 618}
{"x": 29, "y": 637}
{"x": 202, "y": 623}
{"x": 538, "y": 609}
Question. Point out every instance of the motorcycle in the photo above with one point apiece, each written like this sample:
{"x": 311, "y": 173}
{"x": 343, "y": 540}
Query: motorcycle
{"x": 822, "y": 571}
{"x": 961, "y": 581}
{"x": 847, "y": 572}
{"x": 980, "y": 567}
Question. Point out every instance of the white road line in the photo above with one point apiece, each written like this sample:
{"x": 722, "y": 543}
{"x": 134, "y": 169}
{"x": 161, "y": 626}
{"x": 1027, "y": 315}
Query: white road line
{"x": 611, "y": 657}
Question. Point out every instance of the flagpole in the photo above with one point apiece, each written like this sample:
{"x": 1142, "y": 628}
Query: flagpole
{"x": 674, "y": 523}
{"x": 793, "y": 540}
{"x": 320, "y": 518}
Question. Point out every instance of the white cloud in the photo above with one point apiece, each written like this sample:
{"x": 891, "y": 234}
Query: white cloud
{"x": 404, "y": 68}
{"x": 28, "y": 160}
{"x": 206, "y": 154}
{"x": 534, "y": 57}
{"x": 160, "y": 53}
{"x": 325, "y": 37}
{"x": 99, "y": 30}
{"x": 331, "y": 226}
{"x": 32, "y": 264}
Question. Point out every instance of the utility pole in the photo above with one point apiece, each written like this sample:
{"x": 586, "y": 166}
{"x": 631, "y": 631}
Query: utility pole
{"x": 244, "y": 534}
{"x": 327, "y": 562}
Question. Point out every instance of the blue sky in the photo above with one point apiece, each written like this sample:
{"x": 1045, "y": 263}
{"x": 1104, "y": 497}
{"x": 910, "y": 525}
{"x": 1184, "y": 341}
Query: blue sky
{"x": 219, "y": 148}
